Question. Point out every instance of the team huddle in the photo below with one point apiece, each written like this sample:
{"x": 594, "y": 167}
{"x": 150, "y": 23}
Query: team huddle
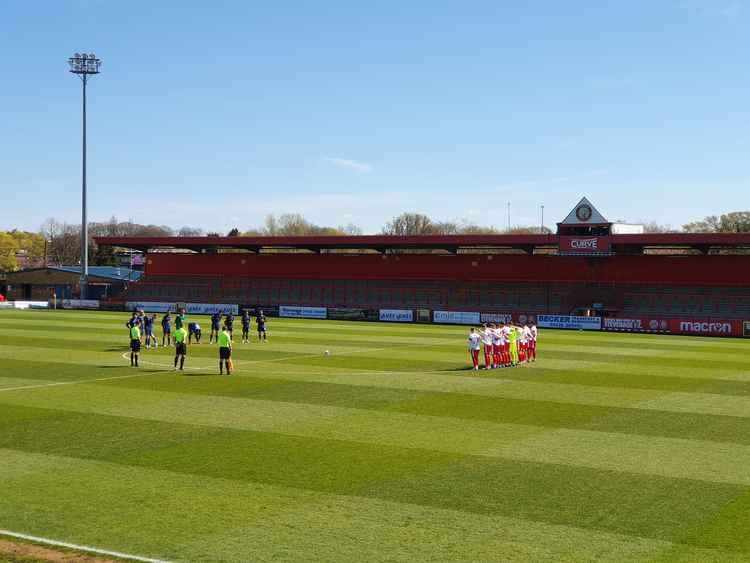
{"x": 141, "y": 326}
{"x": 505, "y": 345}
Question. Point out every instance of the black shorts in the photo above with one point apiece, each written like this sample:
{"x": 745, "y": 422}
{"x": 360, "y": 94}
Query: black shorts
{"x": 135, "y": 345}
{"x": 181, "y": 349}
{"x": 215, "y": 328}
{"x": 225, "y": 353}
{"x": 261, "y": 328}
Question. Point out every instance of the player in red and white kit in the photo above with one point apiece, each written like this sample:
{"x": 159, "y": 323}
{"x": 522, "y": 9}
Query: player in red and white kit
{"x": 474, "y": 347}
{"x": 527, "y": 337}
{"x": 532, "y": 343}
{"x": 497, "y": 346}
{"x": 488, "y": 348}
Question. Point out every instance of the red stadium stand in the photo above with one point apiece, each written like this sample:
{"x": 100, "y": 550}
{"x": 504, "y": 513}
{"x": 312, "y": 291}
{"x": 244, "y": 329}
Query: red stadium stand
{"x": 584, "y": 268}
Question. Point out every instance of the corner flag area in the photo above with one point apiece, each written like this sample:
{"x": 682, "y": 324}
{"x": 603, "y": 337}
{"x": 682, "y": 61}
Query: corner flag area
{"x": 340, "y": 441}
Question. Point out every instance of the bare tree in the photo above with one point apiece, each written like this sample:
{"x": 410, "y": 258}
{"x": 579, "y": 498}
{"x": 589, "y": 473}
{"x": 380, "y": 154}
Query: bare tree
{"x": 350, "y": 229}
{"x": 409, "y": 224}
{"x": 64, "y": 241}
{"x": 733, "y": 222}
{"x": 190, "y": 232}
{"x": 654, "y": 227}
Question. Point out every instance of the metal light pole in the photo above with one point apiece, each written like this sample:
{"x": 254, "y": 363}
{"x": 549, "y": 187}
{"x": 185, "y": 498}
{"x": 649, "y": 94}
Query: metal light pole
{"x": 508, "y": 216}
{"x": 84, "y": 65}
{"x": 541, "y": 230}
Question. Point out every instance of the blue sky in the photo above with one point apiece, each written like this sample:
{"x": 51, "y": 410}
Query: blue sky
{"x": 216, "y": 114}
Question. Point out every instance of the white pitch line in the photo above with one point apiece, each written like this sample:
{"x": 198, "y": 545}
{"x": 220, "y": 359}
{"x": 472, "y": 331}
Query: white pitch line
{"x": 142, "y": 374}
{"x": 59, "y": 383}
{"x": 248, "y": 362}
{"x": 86, "y": 548}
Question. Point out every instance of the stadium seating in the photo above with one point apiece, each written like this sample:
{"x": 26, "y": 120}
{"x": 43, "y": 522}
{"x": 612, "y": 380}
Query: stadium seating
{"x": 627, "y": 300}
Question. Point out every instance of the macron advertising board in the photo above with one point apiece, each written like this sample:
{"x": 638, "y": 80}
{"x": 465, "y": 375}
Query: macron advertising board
{"x": 397, "y": 315}
{"x": 303, "y": 312}
{"x": 455, "y": 317}
{"x": 569, "y": 322}
{"x": 698, "y": 327}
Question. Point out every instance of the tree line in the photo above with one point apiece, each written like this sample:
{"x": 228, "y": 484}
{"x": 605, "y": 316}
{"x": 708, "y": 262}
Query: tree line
{"x": 59, "y": 243}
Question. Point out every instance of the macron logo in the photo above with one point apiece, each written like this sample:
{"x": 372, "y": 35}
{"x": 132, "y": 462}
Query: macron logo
{"x": 706, "y": 328}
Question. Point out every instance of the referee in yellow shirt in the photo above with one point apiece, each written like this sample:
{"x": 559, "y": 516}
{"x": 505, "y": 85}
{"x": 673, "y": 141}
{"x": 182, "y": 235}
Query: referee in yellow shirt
{"x": 135, "y": 343}
{"x": 225, "y": 350}
{"x": 180, "y": 345}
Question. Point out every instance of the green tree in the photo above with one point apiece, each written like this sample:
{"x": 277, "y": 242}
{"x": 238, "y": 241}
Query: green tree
{"x": 8, "y": 249}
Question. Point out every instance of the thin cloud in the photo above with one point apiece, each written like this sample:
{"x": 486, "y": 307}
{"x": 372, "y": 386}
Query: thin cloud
{"x": 732, "y": 12}
{"x": 548, "y": 182}
{"x": 350, "y": 164}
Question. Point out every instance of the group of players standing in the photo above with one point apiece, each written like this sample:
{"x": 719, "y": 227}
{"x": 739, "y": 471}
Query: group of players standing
{"x": 141, "y": 325}
{"x": 505, "y": 345}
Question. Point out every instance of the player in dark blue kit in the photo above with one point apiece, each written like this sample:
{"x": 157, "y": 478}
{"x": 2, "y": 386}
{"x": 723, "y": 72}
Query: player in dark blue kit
{"x": 229, "y": 324}
{"x": 260, "y": 320}
{"x": 215, "y": 325}
{"x": 245, "y": 326}
{"x": 166, "y": 328}
{"x": 194, "y": 330}
{"x": 148, "y": 328}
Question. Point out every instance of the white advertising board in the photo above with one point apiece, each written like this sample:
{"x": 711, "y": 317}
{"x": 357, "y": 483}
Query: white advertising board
{"x": 455, "y": 317}
{"x": 150, "y": 306}
{"x": 397, "y": 315}
{"x": 31, "y": 304}
{"x": 569, "y": 322}
{"x": 211, "y": 308}
{"x": 80, "y": 303}
{"x": 303, "y": 312}
{"x": 496, "y": 318}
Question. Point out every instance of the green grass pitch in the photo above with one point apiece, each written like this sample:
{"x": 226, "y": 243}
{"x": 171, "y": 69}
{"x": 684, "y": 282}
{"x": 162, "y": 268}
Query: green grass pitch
{"x": 610, "y": 447}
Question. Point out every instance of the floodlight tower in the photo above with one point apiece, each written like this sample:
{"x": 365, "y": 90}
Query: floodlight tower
{"x": 84, "y": 66}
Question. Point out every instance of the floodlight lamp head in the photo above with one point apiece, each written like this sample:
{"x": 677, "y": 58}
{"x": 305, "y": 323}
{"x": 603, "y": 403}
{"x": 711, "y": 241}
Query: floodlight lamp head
{"x": 83, "y": 64}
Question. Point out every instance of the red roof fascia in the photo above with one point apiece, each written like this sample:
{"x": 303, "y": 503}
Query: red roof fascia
{"x": 366, "y": 241}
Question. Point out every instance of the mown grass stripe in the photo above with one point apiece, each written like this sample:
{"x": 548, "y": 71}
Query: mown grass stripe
{"x": 239, "y": 519}
{"x": 547, "y": 492}
{"x": 639, "y": 421}
{"x": 693, "y": 459}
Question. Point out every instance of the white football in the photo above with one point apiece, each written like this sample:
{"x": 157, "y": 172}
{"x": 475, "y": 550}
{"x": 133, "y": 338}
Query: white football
{"x": 327, "y": 353}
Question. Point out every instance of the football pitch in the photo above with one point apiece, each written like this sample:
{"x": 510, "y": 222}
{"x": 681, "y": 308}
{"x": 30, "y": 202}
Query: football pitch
{"x": 610, "y": 447}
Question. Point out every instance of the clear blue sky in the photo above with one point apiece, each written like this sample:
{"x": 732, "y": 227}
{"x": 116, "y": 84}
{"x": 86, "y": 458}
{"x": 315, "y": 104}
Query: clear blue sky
{"x": 215, "y": 114}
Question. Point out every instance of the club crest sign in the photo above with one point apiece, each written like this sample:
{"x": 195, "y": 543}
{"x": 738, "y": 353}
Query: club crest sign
{"x": 584, "y": 212}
